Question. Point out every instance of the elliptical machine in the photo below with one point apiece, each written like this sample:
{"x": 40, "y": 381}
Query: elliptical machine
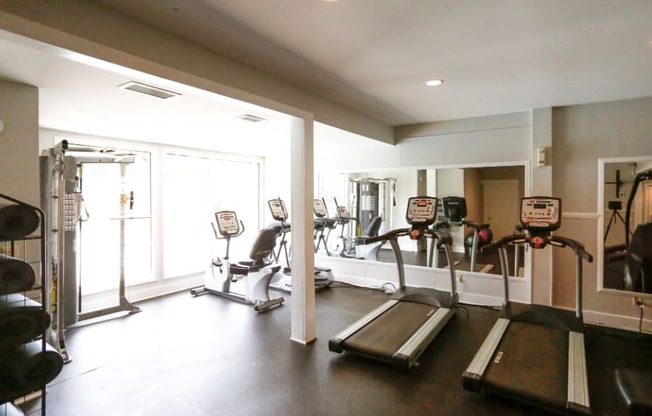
{"x": 283, "y": 281}
{"x": 256, "y": 273}
{"x": 455, "y": 212}
{"x": 323, "y": 224}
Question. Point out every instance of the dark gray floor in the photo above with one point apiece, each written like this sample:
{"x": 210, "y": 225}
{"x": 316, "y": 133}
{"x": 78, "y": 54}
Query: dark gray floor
{"x": 210, "y": 356}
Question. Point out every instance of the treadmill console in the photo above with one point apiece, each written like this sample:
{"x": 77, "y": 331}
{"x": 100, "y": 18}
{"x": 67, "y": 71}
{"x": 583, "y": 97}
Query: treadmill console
{"x": 277, "y": 206}
{"x": 227, "y": 223}
{"x": 319, "y": 208}
{"x": 541, "y": 213}
{"x": 421, "y": 210}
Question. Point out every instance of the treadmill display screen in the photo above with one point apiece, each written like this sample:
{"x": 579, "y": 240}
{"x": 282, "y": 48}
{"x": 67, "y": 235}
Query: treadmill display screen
{"x": 541, "y": 213}
{"x": 421, "y": 210}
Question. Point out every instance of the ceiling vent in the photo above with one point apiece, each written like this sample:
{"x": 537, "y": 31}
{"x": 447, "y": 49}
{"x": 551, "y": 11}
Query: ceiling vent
{"x": 249, "y": 117}
{"x": 148, "y": 89}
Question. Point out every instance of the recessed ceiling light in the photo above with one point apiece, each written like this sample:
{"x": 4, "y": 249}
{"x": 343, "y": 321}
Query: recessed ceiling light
{"x": 434, "y": 82}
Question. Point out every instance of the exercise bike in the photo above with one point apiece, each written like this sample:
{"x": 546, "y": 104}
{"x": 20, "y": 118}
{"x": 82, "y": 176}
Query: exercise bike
{"x": 256, "y": 273}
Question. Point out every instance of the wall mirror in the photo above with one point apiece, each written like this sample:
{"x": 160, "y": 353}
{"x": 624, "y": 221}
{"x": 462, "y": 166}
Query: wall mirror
{"x": 623, "y": 182}
{"x": 492, "y": 195}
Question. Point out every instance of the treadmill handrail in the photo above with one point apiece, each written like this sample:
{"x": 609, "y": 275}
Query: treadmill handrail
{"x": 504, "y": 242}
{"x": 577, "y": 247}
{"x": 385, "y": 237}
{"x": 554, "y": 240}
{"x": 427, "y": 232}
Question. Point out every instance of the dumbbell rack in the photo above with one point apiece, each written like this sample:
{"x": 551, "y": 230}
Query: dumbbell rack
{"x": 29, "y": 386}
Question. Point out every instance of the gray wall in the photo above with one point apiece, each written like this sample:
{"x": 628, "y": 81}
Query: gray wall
{"x": 581, "y": 135}
{"x": 19, "y": 142}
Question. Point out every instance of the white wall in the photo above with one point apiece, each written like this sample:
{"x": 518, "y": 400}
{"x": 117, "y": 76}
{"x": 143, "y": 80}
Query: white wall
{"x": 19, "y": 142}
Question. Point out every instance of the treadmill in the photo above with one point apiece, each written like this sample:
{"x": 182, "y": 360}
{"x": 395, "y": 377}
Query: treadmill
{"x": 534, "y": 353}
{"x": 401, "y": 329}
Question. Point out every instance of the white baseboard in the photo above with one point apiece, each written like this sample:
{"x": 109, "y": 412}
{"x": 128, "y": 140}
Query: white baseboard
{"x": 142, "y": 292}
{"x": 629, "y": 323}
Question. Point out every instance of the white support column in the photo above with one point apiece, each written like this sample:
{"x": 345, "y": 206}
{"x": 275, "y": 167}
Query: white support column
{"x": 542, "y": 185}
{"x": 303, "y": 255}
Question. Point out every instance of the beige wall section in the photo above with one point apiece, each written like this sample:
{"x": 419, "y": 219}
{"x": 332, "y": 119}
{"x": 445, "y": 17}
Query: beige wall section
{"x": 581, "y": 135}
{"x": 505, "y": 173}
{"x": 541, "y": 184}
{"x": 19, "y": 142}
{"x": 97, "y": 31}
{"x": 473, "y": 195}
{"x": 467, "y": 125}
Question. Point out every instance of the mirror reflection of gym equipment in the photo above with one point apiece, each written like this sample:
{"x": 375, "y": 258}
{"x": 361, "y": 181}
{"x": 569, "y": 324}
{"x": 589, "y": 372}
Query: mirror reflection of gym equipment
{"x": 283, "y": 280}
{"x": 627, "y": 184}
{"x": 372, "y": 201}
{"x": 491, "y": 193}
{"x": 454, "y": 212}
{"x": 345, "y": 246}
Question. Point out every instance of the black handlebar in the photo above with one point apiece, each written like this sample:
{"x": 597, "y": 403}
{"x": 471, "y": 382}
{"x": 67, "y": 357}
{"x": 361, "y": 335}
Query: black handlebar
{"x": 471, "y": 224}
{"x": 577, "y": 247}
{"x": 504, "y": 242}
{"x": 554, "y": 240}
{"x": 475, "y": 226}
{"x": 427, "y": 232}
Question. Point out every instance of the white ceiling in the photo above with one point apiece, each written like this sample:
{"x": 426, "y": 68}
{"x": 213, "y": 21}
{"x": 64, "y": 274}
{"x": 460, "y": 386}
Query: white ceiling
{"x": 496, "y": 56}
{"x": 372, "y": 55}
{"x": 79, "y": 94}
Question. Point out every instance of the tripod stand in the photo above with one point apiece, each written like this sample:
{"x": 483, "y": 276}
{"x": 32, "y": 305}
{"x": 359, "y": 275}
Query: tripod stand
{"x": 615, "y": 216}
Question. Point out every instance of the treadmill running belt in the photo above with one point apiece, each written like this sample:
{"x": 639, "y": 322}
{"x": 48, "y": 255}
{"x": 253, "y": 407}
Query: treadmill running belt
{"x": 386, "y": 334}
{"x": 531, "y": 365}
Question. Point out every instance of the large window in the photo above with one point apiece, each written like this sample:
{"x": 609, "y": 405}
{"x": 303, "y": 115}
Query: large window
{"x": 196, "y": 188}
{"x": 106, "y": 225}
{"x": 166, "y": 228}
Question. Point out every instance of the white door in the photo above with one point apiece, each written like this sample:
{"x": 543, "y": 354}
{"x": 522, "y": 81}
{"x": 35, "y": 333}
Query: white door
{"x": 501, "y": 206}
{"x": 647, "y": 194}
